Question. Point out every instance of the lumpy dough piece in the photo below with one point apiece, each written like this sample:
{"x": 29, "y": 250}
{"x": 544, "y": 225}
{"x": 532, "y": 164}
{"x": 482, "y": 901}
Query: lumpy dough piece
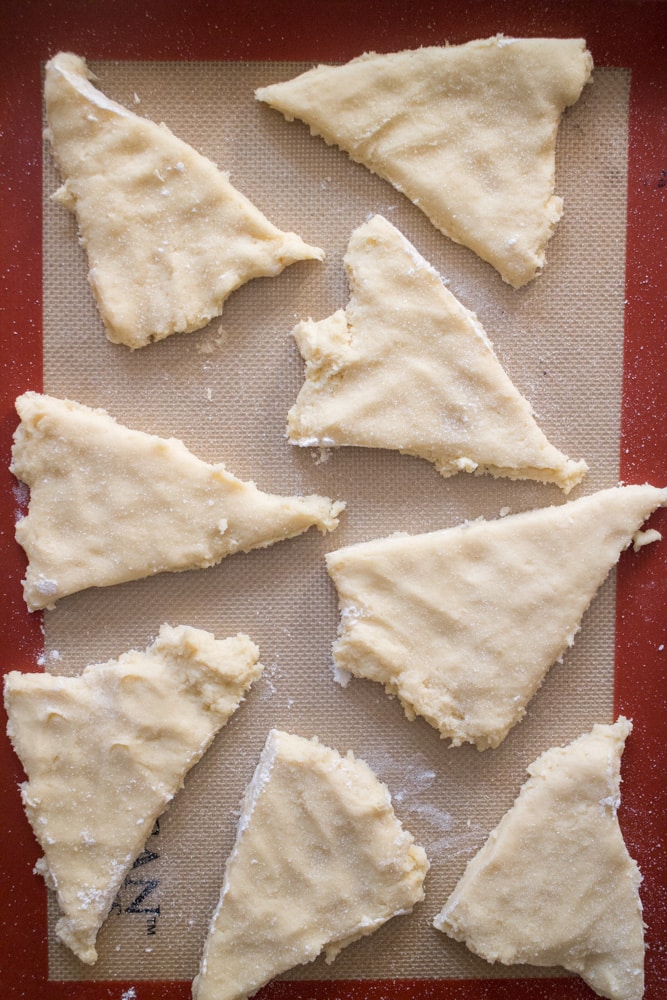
{"x": 107, "y": 751}
{"x": 467, "y": 132}
{"x": 463, "y": 624}
{"x": 554, "y": 883}
{"x": 320, "y": 860}
{"x": 168, "y": 237}
{"x": 406, "y": 366}
{"x": 110, "y": 504}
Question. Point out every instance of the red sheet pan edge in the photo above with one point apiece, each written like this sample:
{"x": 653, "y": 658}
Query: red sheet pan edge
{"x": 619, "y": 33}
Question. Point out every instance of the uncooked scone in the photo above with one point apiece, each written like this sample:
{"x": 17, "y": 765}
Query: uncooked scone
{"x": 168, "y": 237}
{"x": 554, "y": 883}
{"x": 106, "y": 752}
{"x": 463, "y": 624}
{"x": 406, "y": 366}
{"x": 320, "y": 860}
{"x": 110, "y": 504}
{"x": 467, "y": 132}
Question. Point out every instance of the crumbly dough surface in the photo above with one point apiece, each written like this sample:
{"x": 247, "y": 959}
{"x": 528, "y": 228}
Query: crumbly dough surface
{"x": 554, "y": 883}
{"x": 406, "y": 366}
{"x": 320, "y": 860}
{"x": 463, "y": 624}
{"x": 167, "y": 235}
{"x": 110, "y": 504}
{"x": 105, "y": 753}
{"x": 467, "y": 132}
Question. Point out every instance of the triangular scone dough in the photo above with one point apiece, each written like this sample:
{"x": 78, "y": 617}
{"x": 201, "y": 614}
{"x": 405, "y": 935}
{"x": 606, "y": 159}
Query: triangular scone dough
{"x": 554, "y": 883}
{"x": 463, "y": 624}
{"x": 320, "y": 860}
{"x": 106, "y": 752}
{"x": 467, "y": 132}
{"x": 406, "y": 366}
{"x": 168, "y": 237}
{"x": 110, "y": 504}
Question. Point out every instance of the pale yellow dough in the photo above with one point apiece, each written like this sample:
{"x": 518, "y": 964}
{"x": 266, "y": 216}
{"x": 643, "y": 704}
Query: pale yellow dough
{"x": 463, "y": 624}
{"x": 110, "y": 504}
{"x": 168, "y": 237}
{"x": 320, "y": 860}
{"x": 106, "y": 752}
{"x": 554, "y": 883}
{"x": 467, "y": 132}
{"x": 406, "y": 366}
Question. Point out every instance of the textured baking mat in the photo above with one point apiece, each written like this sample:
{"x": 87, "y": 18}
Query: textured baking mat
{"x": 225, "y": 392}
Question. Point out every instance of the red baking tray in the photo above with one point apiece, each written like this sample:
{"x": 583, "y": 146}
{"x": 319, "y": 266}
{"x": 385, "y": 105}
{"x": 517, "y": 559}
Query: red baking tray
{"x": 622, "y": 33}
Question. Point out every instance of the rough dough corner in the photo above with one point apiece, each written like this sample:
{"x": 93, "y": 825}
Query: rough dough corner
{"x": 110, "y": 504}
{"x": 320, "y": 860}
{"x": 462, "y": 624}
{"x": 129, "y": 728}
{"x": 406, "y": 366}
{"x": 168, "y": 237}
{"x": 554, "y": 883}
{"x": 467, "y": 132}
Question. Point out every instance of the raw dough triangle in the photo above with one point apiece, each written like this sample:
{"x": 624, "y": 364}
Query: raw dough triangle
{"x": 463, "y": 624}
{"x": 467, "y": 132}
{"x": 320, "y": 860}
{"x": 107, "y": 751}
{"x": 406, "y": 366}
{"x": 110, "y": 504}
{"x": 168, "y": 237}
{"x": 554, "y": 883}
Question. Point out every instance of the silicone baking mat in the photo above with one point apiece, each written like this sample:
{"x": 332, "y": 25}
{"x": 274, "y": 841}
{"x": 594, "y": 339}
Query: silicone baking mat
{"x": 582, "y": 343}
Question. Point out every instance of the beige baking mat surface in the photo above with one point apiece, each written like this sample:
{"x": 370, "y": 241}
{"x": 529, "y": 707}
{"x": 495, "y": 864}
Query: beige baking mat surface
{"x": 225, "y": 391}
